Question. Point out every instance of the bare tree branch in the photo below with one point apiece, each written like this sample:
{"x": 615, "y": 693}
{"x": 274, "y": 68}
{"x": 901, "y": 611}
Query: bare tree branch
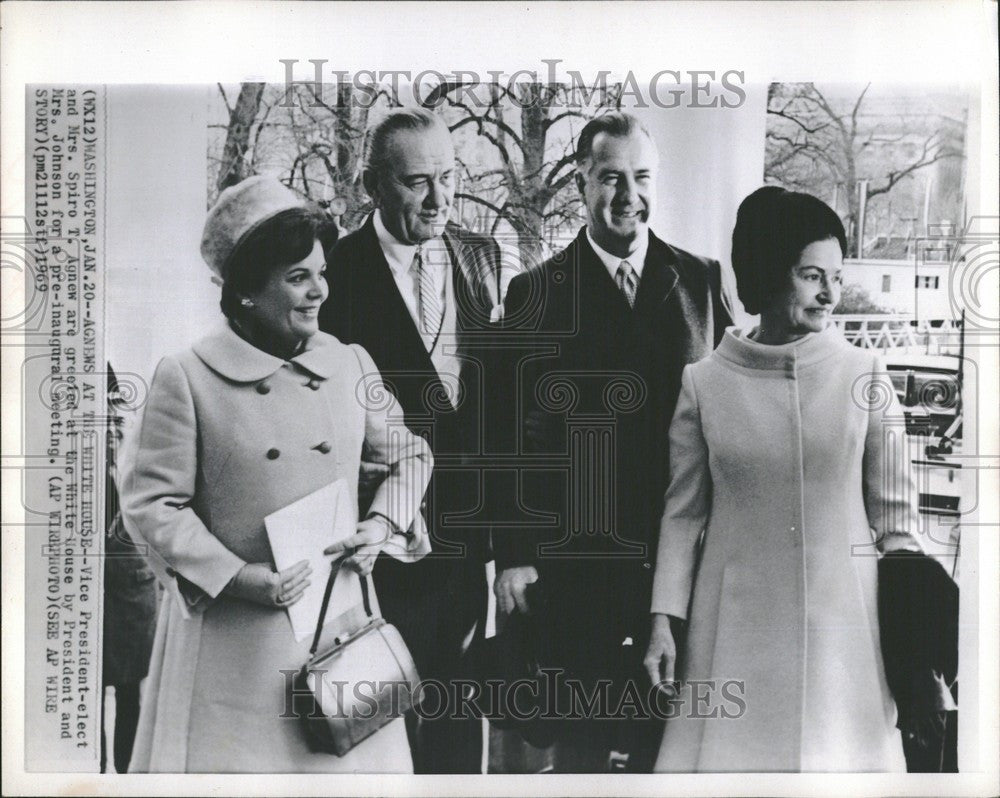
{"x": 225, "y": 99}
{"x": 241, "y": 119}
{"x": 480, "y": 201}
{"x": 564, "y": 115}
{"x": 895, "y": 177}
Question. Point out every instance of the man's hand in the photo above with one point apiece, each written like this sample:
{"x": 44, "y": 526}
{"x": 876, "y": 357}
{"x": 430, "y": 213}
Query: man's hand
{"x": 364, "y": 545}
{"x": 509, "y": 587}
{"x": 661, "y": 656}
{"x": 260, "y": 583}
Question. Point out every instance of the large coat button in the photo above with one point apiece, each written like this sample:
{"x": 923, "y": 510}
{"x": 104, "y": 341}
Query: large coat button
{"x": 323, "y": 448}
{"x": 272, "y": 454}
{"x": 314, "y": 384}
{"x": 263, "y": 387}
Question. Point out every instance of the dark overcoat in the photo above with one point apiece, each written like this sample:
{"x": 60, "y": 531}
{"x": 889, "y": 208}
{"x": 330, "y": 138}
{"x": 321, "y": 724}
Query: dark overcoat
{"x": 595, "y": 399}
{"x": 365, "y": 307}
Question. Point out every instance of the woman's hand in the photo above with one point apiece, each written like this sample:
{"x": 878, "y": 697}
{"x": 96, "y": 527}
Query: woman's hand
{"x": 260, "y": 583}
{"x": 364, "y": 546}
{"x": 661, "y": 656}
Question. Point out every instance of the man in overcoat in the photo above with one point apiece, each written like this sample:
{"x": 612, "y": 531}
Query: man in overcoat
{"x": 615, "y": 317}
{"x": 130, "y": 603}
{"x": 420, "y": 293}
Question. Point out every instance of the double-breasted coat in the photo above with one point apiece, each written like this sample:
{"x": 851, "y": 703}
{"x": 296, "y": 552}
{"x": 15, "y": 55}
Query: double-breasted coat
{"x": 788, "y": 477}
{"x": 229, "y": 435}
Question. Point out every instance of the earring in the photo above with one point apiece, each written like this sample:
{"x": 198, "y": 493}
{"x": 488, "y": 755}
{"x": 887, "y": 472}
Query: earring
{"x": 247, "y": 303}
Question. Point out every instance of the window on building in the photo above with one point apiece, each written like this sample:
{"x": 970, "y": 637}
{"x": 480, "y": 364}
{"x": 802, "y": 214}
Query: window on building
{"x": 926, "y": 281}
{"x": 886, "y": 283}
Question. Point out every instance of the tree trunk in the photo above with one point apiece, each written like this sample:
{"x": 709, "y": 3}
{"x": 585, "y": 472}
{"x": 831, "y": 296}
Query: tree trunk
{"x": 528, "y": 224}
{"x": 853, "y": 206}
{"x": 352, "y": 120}
{"x": 241, "y": 119}
{"x": 535, "y": 101}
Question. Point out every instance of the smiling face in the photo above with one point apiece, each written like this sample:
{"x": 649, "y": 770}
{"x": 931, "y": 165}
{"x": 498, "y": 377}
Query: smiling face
{"x": 286, "y": 308}
{"x": 811, "y": 294}
{"x": 618, "y": 184}
{"x": 415, "y": 187}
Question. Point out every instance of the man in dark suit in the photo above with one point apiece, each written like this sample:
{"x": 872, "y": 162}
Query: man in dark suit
{"x": 420, "y": 294}
{"x": 615, "y": 317}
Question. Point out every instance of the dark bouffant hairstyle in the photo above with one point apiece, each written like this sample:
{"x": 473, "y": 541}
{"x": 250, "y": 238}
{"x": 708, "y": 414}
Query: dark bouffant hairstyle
{"x": 773, "y": 226}
{"x": 280, "y": 241}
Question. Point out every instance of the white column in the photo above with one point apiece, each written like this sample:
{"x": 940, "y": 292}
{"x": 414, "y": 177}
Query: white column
{"x": 710, "y": 159}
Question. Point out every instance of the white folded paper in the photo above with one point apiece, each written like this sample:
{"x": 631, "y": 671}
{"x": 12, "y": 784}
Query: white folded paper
{"x": 301, "y": 531}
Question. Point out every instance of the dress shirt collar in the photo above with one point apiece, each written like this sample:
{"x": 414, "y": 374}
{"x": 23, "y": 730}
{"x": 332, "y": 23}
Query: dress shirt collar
{"x": 398, "y": 255}
{"x": 636, "y": 258}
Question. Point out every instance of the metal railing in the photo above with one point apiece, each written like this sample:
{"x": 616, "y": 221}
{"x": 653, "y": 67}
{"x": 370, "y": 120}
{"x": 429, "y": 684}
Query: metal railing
{"x": 889, "y": 332}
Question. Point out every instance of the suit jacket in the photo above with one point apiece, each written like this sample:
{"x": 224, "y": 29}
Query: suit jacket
{"x": 365, "y": 307}
{"x": 597, "y": 402}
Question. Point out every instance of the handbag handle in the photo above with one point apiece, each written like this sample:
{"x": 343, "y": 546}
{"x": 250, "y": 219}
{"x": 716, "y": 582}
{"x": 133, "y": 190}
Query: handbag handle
{"x": 335, "y": 566}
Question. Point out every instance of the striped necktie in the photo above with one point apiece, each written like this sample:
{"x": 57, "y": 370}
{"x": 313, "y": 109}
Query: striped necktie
{"x": 431, "y": 304}
{"x": 625, "y": 278}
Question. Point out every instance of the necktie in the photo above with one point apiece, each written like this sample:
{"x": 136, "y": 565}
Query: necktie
{"x": 625, "y": 278}
{"x": 431, "y": 305}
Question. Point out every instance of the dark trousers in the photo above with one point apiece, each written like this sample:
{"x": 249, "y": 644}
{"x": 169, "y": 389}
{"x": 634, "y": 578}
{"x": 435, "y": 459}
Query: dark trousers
{"x": 593, "y": 745}
{"x": 435, "y": 620}
{"x": 126, "y": 722}
{"x": 627, "y": 737}
{"x": 936, "y": 749}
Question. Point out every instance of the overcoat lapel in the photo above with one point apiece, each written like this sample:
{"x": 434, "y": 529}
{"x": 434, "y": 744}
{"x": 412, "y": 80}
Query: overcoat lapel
{"x": 475, "y": 283}
{"x": 596, "y": 284}
{"x": 386, "y": 299}
{"x": 659, "y": 278}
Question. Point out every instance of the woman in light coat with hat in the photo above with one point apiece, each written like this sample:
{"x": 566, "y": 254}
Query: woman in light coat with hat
{"x": 255, "y": 416}
{"x": 788, "y": 479}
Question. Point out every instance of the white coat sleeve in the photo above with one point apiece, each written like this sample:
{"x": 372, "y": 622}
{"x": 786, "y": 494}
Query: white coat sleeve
{"x": 399, "y": 462}
{"x": 890, "y": 490}
{"x": 158, "y": 489}
{"x": 687, "y": 505}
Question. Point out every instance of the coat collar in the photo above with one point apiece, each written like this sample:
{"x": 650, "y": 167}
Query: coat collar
{"x": 813, "y": 348}
{"x": 225, "y": 352}
{"x": 659, "y": 275}
{"x": 477, "y": 272}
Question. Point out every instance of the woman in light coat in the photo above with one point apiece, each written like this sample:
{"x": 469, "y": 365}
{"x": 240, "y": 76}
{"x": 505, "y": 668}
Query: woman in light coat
{"x": 788, "y": 478}
{"x": 255, "y": 416}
